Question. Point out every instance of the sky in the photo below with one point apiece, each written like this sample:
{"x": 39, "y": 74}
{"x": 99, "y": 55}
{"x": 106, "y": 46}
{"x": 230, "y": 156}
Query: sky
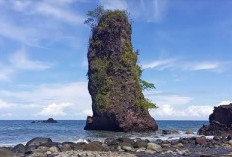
{"x": 185, "y": 50}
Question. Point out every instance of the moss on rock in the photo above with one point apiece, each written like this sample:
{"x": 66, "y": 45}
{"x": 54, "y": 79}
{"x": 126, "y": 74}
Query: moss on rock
{"x": 114, "y": 78}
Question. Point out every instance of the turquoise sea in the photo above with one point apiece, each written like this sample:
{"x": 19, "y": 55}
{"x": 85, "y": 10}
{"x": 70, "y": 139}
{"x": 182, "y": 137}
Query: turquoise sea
{"x": 13, "y": 132}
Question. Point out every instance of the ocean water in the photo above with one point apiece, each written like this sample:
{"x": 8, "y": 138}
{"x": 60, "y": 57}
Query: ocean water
{"x": 13, "y": 132}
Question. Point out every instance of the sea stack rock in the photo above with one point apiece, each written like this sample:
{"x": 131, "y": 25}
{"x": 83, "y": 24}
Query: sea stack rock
{"x": 118, "y": 103}
{"x": 220, "y": 122}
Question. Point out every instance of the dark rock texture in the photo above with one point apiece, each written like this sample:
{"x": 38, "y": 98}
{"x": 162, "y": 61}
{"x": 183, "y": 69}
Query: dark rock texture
{"x": 118, "y": 103}
{"x": 38, "y": 141}
{"x": 168, "y": 132}
{"x": 220, "y": 122}
{"x": 19, "y": 150}
{"x": 50, "y": 120}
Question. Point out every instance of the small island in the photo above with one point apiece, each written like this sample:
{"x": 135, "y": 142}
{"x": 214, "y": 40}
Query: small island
{"x": 49, "y": 120}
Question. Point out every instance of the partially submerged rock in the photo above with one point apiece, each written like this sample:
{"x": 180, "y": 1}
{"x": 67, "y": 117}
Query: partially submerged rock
{"x": 118, "y": 103}
{"x": 167, "y": 132}
{"x": 49, "y": 120}
{"x": 220, "y": 122}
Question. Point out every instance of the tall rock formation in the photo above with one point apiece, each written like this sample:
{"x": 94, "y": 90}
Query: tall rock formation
{"x": 118, "y": 103}
{"x": 220, "y": 122}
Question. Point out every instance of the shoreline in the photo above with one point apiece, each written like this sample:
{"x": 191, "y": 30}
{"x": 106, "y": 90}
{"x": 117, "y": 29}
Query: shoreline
{"x": 153, "y": 138}
{"x": 192, "y": 146}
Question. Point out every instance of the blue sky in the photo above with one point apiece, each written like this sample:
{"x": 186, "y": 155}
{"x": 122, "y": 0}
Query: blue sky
{"x": 184, "y": 49}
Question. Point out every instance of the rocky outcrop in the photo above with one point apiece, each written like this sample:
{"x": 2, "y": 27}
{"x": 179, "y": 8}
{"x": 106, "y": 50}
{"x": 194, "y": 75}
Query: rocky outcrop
{"x": 49, "y": 120}
{"x": 118, "y": 103}
{"x": 38, "y": 141}
{"x": 220, "y": 122}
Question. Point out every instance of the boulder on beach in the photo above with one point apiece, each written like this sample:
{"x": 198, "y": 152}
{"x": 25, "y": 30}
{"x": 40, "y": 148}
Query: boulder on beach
{"x": 38, "y": 141}
{"x": 220, "y": 122}
{"x": 118, "y": 103}
{"x": 19, "y": 150}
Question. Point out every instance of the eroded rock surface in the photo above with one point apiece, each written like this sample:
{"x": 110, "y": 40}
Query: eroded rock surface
{"x": 114, "y": 78}
{"x": 220, "y": 122}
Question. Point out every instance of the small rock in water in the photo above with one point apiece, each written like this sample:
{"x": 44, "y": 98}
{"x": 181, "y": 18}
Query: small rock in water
{"x": 167, "y": 132}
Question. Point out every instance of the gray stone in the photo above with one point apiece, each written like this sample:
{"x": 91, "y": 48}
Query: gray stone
{"x": 38, "y": 141}
{"x": 154, "y": 147}
{"x": 94, "y": 146}
{"x": 65, "y": 147}
{"x": 19, "y": 150}
{"x": 126, "y": 148}
{"x": 140, "y": 143}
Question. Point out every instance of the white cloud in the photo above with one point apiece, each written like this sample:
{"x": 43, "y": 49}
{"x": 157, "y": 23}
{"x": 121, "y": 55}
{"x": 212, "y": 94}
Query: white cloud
{"x": 17, "y": 32}
{"x": 191, "y": 112}
{"x": 206, "y": 66}
{"x": 6, "y": 115}
{"x": 226, "y": 102}
{"x": 159, "y": 63}
{"x": 159, "y": 8}
{"x": 4, "y": 104}
{"x": 19, "y": 61}
{"x": 163, "y": 99}
{"x": 21, "y": 5}
{"x": 40, "y": 21}
{"x": 59, "y": 13}
{"x": 180, "y": 64}
{"x": 36, "y": 98}
{"x": 55, "y": 109}
{"x": 88, "y": 112}
{"x": 165, "y": 110}
{"x": 114, "y": 4}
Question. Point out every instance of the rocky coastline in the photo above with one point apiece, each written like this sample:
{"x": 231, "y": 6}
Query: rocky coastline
{"x": 123, "y": 147}
{"x": 220, "y": 122}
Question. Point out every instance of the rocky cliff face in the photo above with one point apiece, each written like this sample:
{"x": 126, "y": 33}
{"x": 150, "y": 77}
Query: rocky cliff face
{"x": 220, "y": 122}
{"x": 118, "y": 103}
